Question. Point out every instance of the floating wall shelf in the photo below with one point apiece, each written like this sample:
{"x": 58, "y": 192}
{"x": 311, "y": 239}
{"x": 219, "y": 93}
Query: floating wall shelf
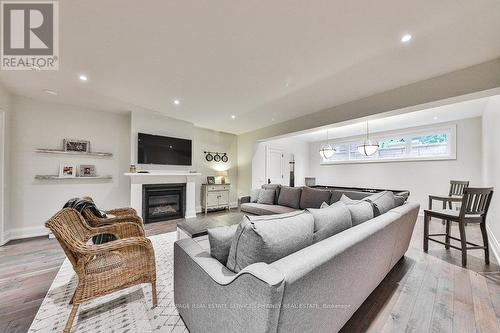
{"x": 56, "y": 177}
{"x": 63, "y": 152}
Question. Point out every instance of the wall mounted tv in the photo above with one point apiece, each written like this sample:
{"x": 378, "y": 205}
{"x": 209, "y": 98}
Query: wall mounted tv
{"x": 155, "y": 149}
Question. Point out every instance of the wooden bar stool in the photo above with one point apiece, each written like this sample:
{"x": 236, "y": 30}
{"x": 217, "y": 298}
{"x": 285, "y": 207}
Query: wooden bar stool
{"x": 455, "y": 194}
{"x": 475, "y": 205}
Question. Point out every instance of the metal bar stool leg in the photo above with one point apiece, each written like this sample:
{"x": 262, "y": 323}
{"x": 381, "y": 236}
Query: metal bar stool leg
{"x": 447, "y": 238}
{"x": 426, "y": 232}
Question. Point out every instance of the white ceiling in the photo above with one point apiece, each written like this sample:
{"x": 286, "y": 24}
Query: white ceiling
{"x": 263, "y": 61}
{"x": 441, "y": 114}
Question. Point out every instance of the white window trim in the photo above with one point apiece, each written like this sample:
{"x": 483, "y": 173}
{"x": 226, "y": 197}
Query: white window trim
{"x": 452, "y": 129}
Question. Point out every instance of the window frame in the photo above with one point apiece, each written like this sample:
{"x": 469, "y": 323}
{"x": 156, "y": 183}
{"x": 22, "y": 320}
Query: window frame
{"x": 407, "y": 133}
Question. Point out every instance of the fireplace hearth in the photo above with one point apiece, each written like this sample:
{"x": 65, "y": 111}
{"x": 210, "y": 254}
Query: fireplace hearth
{"x": 162, "y": 202}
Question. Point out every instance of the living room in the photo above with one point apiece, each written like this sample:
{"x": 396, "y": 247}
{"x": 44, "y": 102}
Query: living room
{"x": 175, "y": 167}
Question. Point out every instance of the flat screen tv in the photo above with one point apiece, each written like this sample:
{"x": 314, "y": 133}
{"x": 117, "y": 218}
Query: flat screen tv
{"x": 155, "y": 149}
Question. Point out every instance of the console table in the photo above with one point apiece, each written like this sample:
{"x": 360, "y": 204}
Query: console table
{"x": 215, "y": 196}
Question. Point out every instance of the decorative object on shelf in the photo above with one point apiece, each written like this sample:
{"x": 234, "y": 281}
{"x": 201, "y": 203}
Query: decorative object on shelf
{"x": 210, "y": 180}
{"x": 222, "y": 176}
{"x": 326, "y": 151}
{"x": 132, "y": 168}
{"x": 67, "y": 171}
{"x": 81, "y": 146}
{"x": 87, "y": 170}
{"x": 369, "y": 147}
{"x": 216, "y": 156}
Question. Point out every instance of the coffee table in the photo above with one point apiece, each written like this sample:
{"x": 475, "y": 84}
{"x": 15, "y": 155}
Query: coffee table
{"x": 197, "y": 227}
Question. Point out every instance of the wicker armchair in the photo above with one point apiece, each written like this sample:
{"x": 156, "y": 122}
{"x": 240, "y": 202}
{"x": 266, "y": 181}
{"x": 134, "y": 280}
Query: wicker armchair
{"x": 104, "y": 268}
{"x": 119, "y": 215}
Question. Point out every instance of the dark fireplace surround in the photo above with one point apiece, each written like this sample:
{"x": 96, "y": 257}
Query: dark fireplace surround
{"x": 162, "y": 202}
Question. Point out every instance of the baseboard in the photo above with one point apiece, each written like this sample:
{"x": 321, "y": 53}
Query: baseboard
{"x": 21, "y": 233}
{"x": 494, "y": 244}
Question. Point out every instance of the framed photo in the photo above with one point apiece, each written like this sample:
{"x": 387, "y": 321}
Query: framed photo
{"x": 87, "y": 170}
{"x": 67, "y": 170}
{"x": 81, "y": 146}
{"x": 210, "y": 180}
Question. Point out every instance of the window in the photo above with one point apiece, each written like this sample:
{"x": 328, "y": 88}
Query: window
{"x": 412, "y": 144}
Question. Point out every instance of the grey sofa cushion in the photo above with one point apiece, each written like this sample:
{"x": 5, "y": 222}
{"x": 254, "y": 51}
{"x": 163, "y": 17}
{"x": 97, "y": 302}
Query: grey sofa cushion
{"x": 330, "y": 220}
{"x": 382, "y": 202}
{"x": 290, "y": 197}
{"x": 266, "y": 196}
{"x": 220, "y": 239}
{"x": 361, "y": 211}
{"x": 400, "y": 199}
{"x": 254, "y": 194}
{"x": 276, "y": 188}
{"x": 262, "y": 209}
{"x": 351, "y": 194}
{"x": 313, "y": 198}
{"x": 269, "y": 238}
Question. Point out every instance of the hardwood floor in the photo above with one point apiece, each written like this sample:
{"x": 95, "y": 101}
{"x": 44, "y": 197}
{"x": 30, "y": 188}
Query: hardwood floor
{"x": 423, "y": 293}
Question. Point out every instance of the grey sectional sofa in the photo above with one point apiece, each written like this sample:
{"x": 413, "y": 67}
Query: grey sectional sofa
{"x": 308, "y": 198}
{"x": 316, "y": 289}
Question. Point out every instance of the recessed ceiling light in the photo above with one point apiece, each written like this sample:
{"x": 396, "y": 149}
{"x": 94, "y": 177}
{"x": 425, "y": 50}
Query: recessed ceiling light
{"x": 177, "y": 102}
{"x": 83, "y": 77}
{"x": 233, "y": 116}
{"x": 50, "y": 92}
{"x": 406, "y": 38}
{"x": 435, "y": 118}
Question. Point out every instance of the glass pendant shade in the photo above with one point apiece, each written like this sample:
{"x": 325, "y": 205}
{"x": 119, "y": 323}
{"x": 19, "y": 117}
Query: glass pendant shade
{"x": 368, "y": 148}
{"x": 327, "y": 151}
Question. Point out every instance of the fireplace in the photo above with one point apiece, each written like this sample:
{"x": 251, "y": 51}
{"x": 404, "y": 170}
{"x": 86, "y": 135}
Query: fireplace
{"x": 162, "y": 202}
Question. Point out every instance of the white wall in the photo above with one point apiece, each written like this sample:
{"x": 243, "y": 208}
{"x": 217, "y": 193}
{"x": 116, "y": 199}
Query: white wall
{"x": 37, "y": 124}
{"x": 289, "y": 146}
{"x": 421, "y": 178}
{"x": 491, "y": 169}
{"x": 203, "y": 140}
{"x": 5, "y": 107}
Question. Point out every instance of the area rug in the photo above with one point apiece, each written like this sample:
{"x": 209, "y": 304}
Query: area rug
{"x": 128, "y": 310}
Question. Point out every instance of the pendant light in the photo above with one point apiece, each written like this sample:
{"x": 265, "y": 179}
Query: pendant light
{"x": 326, "y": 151}
{"x": 369, "y": 147}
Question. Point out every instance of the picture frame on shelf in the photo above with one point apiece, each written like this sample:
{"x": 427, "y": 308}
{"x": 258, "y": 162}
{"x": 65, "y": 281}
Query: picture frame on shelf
{"x": 80, "y": 146}
{"x": 86, "y": 170}
{"x": 210, "y": 180}
{"x": 67, "y": 170}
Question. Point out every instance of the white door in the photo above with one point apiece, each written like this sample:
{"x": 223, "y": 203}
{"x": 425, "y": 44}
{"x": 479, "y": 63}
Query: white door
{"x": 274, "y": 166}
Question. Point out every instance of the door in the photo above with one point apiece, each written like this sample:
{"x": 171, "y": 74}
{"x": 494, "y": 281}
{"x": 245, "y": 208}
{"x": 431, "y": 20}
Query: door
{"x": 274, "y": 166}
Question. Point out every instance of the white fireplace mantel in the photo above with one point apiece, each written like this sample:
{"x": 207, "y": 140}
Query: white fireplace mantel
{"x": 163, "y": 177}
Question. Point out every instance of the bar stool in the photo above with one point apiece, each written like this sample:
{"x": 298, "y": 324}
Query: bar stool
{"x": 475, "y": 205}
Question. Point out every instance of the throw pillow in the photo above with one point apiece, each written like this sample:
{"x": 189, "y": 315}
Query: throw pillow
{"x": 313, "y": 198}
{"x": 400, "y": 199}
{"x": 290, "y": 197}
{"x": 324, "y": 205}
{"x": 330, "y": 221}
{"x": 361, "y": 211}
{"x": 276, "y": 188}
{"x": 254, "y": 195}
{"x": 269, "y": 238}
{"x": 382, "y": 202}
{"x": 266, "y": 196}
{"x": 220, "y": 239}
